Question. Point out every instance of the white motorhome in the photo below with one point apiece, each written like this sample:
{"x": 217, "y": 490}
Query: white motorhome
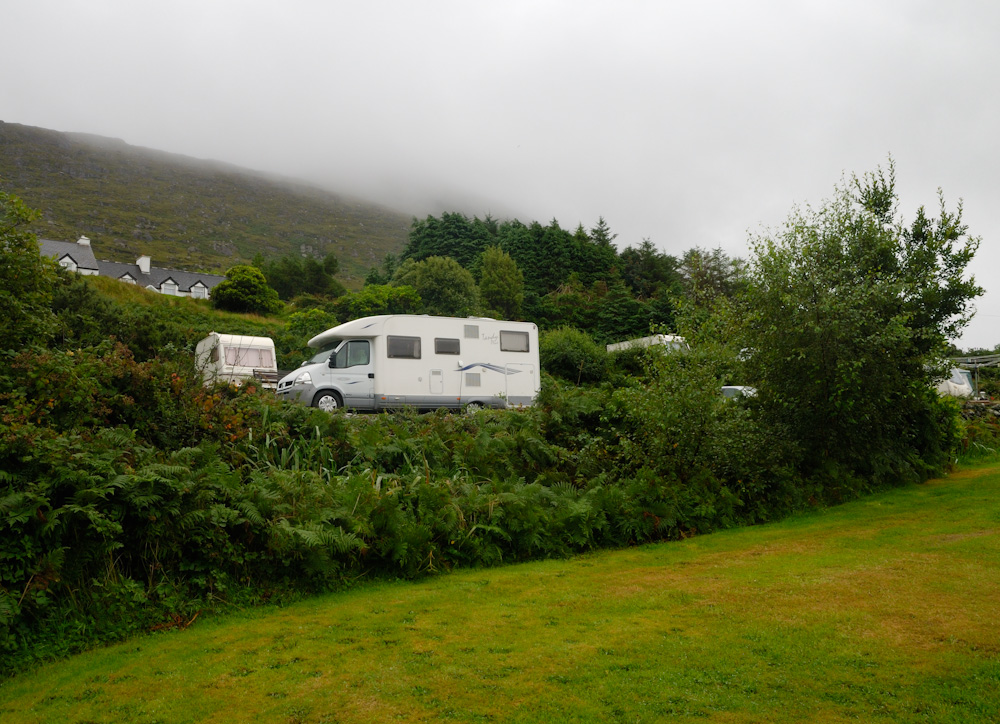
{"x": 669, "y": 341}
{"x": 396, "y": 360}
{"x": 236, "y": 358}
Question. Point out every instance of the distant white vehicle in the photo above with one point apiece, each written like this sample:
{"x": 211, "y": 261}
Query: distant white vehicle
{"x": 733, "y": 391}
{"x": 670, "y": 341}
{"x": 959, "y": 384}
{"x": 397, "y": 360}
{"x": 235, "y": 359}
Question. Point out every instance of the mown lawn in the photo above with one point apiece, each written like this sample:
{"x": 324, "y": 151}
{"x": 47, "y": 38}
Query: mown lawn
{"x": 886, "y": 609}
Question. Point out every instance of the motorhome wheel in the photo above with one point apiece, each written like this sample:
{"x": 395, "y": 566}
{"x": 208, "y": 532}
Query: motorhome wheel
{"x": 327, "y": 401}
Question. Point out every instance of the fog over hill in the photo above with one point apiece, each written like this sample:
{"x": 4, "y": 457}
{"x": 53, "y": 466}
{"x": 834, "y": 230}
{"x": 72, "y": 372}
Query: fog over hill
{"x": 690, "y": 124}
{"x": 184, "y": 212}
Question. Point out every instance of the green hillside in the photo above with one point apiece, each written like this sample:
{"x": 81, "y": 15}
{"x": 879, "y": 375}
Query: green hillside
{"x": 183, "y": 212}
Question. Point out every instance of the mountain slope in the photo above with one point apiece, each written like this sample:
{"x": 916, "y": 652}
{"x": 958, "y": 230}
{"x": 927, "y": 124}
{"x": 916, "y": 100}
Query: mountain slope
{"x": 185, "y": 213}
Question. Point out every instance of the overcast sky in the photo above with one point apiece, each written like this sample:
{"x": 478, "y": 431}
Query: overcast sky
{"x": 690, "y": 124}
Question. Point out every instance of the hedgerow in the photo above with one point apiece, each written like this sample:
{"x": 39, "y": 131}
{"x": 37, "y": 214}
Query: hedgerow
{"x": 134, "y": 497}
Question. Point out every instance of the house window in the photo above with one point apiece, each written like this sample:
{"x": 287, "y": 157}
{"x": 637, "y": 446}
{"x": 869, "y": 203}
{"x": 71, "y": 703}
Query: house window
{"x": 67, "y": 263}
{"x": 513, "y": 341}
{"x": 446, "y": 346}
{"x": 127, "y": 278}
{"x": 169, "y": 288}
{"x": 403, "y": 347}
{"x": 199, "y": 291}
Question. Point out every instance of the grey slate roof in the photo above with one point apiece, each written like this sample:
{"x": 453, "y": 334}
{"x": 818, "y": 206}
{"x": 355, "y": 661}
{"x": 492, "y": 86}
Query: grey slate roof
{"x": 82, "y": 254}
{"x": 156, "y": 277}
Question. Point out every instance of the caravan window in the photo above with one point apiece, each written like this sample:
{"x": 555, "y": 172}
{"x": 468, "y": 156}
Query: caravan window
{"x": 446, "y": 346}
{"x": 249, "y": 357}
{"x": 352, "y": 354}
{"x": 513, "y": 341}
{"x": 403, "y": 347}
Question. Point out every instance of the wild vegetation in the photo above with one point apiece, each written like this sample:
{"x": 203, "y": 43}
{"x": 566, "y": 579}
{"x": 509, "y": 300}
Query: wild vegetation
{"x": 880, "y": 610}
{"x": 132, "y": 497}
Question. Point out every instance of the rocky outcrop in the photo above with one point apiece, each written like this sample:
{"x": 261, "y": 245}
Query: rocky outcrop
{"x": 981, "y": 409}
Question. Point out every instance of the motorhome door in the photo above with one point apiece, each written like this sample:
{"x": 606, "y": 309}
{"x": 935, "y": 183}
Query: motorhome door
{"x": 353, "y": 372}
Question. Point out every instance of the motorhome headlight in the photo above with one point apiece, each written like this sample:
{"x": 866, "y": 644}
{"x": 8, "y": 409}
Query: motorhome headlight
{"x": 304, "y": 379}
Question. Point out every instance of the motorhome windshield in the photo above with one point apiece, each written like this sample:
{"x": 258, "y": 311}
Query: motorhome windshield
{"x": 323, "y": 355}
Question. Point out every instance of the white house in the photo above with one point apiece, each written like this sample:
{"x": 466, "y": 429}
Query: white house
{"x": 79, "y": 257}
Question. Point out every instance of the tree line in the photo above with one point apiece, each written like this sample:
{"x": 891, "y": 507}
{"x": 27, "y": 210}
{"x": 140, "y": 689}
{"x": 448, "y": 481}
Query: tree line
{"x": 454, "y": 265}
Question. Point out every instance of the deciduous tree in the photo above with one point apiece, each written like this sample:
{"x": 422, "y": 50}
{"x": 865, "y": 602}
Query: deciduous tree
{"x": 845, "y": 313}
{"x": 375, "y": 299}
{"x": 245, "y": 290}
{"x": 501, "y": 283}
{"x": 443, "y": 285}
{"x": 291, "y": 276}
{"x": 26, "y": 279}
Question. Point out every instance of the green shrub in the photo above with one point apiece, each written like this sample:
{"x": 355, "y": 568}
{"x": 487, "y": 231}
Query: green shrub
{"x": 572, "y": 355}
{"x": 245, "y": 289}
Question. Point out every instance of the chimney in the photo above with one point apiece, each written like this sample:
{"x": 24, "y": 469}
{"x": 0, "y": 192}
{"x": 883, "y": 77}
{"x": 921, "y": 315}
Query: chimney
{"x": 143, "y": 262}
{"x": 83, "y": 241}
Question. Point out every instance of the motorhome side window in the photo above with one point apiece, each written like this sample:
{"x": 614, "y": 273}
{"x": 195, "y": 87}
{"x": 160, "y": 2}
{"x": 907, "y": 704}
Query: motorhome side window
{"x": 403, "y": 347}
{"x": 513, "y": 341}
{"x": 356, "y": 352}
{"x": 443, "y": 345}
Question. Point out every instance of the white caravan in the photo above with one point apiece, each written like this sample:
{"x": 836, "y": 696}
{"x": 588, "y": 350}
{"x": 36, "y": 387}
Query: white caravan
{"x": 236, "y": 358}
{"x": 959, "y": 384}
{"x": 396, "y": 360}
{"x": 669, "y": 341}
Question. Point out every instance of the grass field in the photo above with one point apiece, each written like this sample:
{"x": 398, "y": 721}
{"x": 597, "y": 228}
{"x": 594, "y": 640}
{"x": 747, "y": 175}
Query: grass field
{"x": 884, "y": 609}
